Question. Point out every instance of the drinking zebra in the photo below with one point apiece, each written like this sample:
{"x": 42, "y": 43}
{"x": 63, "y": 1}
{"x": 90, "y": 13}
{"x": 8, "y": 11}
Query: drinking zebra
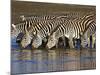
{"x": 26, "y": 23}
{"x": 35, "y": 23}
{"x": 46, "y": 27}
{"x": 89, "y": 37}
{"x": 41, "y": 30}
{"x": 18, "y": 28}
{"x": 71, "y": 29}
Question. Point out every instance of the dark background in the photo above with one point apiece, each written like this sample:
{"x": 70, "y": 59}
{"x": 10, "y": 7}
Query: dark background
{"x": 37, "y": 8}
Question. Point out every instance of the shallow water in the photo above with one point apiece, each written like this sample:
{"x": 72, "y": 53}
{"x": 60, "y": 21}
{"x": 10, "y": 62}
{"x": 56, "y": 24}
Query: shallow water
{"x": 33, "y": 61}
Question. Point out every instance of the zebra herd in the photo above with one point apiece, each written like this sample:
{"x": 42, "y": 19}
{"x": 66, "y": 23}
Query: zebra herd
{"x": 49, "y": 28}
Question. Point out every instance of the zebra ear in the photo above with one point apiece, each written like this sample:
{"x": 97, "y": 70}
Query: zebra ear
{"x": 23, "y": 17}
{"x": 48, "y": 34}
{"x": 13, "y": 26}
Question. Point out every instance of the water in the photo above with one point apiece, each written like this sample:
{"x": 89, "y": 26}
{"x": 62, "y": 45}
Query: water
{"x": 41, "y": 60}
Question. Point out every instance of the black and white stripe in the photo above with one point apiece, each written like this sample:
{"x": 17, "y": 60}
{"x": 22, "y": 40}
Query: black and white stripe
{"x": 42, "y": 29}
{"x": 72, "y": 29}
{"x": 89, "y": 35}
{"x": 18, "y": 28}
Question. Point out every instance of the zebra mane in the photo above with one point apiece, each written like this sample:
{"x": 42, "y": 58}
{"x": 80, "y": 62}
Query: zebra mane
{"x": 93, "y": 15}
{"x": 54, "y": 30}
{"x": 13, "y": 26}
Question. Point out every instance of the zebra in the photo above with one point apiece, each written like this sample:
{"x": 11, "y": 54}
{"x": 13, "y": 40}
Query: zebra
{"x": 60, "y": 32}
{"x": 26, "y": 23}
{"x": 31, "y": 21}
{"x": 45, "y": 17}
{"x": 89, "y": 36}
{"x": 71, "y": 29}
{"x": 41, "y": 30}
{"x": 18, "y": 28}
{"x": 67, "y": 16}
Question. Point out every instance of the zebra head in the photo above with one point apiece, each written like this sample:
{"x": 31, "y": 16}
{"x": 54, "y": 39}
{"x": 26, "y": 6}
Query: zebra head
{"x": 52, "y": 41}
{"x": 14, "y": 30}
{"x": 17, "y": 28}
{"x": 37, "y": 41}
{"x": 26, "y": 40}
{"x": 23, "y": 18}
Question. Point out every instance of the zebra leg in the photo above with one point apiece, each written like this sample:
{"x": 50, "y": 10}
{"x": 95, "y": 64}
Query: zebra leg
{"x": 75, "y": 42}
{"x": 94, "y": 42}
{"x": 71, "y": 43}
{"x": 85, "y": 41}
{"x": 64, "y": 41}
{"x": 57, "y": 44}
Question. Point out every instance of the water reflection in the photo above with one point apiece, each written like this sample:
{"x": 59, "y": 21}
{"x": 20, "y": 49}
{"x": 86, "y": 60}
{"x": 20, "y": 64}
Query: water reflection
{"x": 32, "y": 61}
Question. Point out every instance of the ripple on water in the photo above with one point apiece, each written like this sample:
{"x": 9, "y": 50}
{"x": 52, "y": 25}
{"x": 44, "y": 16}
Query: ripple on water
{"x": 38, "y": 60}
